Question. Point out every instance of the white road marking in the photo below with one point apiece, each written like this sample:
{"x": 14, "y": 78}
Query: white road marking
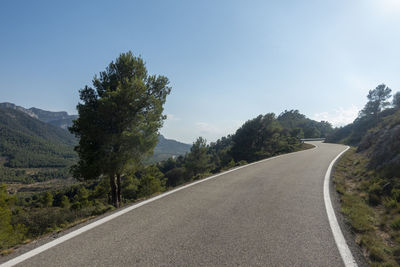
{"x": 344, "y": 250}
{"x": 92, "y": 225}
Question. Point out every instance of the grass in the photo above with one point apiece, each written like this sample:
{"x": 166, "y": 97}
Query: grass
{"x": 372, "y": 213}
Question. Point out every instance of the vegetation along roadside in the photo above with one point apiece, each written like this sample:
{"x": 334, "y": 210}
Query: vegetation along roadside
{"x": 367, "y": 177}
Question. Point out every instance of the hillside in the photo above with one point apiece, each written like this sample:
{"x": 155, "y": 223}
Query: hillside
{"x": 367, "y": 177}
{"x": 60, "y": 118}
{"x": 33, "y": 150}
{"x": 382, "y": 145}
{"x": 167, "y": 148}
{"x": 28, "y": 142}
{"x": 308, "y": 128}
{"x": 377, "y": 109}
{"x": 368, "y": 181}
{"x": 353, "y": 133}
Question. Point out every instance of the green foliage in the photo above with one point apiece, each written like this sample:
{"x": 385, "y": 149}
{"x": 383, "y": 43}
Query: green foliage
{"x": 374, "y": 193}
{"x": 10, "y": 235}
{"x": 198, "y": 160}
{"x": 118, "y": 120}
{"x": 377, "y": 101}
{"x": 130, "y": 187}
{"x": 396, "y": 100}
{"x": 65, "y": 203}
{"x": 376, "y": 254}
{"x": 396, "y": 194}
{"x": 382, "y": 143}
{"x": 396, "y": 223}
{"x": 82, "y": 196}
{"x": 260, "y": 138}
{"x": 176, "y": 176}
{"x": 9, "y": 175}
{"x": 221, "y": 157}
{"x": 373, "y": 114}
{"x": 47, "y": 199}
{"x": 102, "y": 189}
{"x": 151, "y": 181}
{"x": 303, "y": 127}
{"x": 27, "y": 176}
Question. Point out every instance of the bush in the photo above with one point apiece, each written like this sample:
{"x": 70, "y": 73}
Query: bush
{"x": 130, "y": 187}
{"x": 39, "y": 221}
{"x": 65, "y": 202}
{"x": 390, "y": 203}
{"x": 100, "y": 207}
{"x": 396, "y": 223}
{"x": 176, "y": 176}
{"x": 396, "y": 194}
{"x": 374, "y": 193}
{"x": 151, "y": 182}
{"x": 374, "y": 199}
{"x": 376, "y": 254}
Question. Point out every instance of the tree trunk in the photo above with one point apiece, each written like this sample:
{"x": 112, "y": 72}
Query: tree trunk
{"x": 119, "y": 188}
{"x": 114, "y": 191}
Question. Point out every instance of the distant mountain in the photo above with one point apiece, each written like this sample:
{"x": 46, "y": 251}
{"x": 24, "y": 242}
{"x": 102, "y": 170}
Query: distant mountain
{"x": 28, "y": 142}
{"x": 167, "y": 148}
{"x": 15, "y": 107}
{"x": 59, "y": 118}
{"x": 40, "y": 130}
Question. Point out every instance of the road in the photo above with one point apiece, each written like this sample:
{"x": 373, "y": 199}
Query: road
{"x": 268, "y": 214}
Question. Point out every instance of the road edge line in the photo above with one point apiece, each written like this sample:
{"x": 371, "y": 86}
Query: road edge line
{"x": 44, "y": 247}
{"x": 341, "y": 244}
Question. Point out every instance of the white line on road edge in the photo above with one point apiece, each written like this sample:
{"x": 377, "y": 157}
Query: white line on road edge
{"x": 344, "y": 250}
{"x": 92, "y": 225}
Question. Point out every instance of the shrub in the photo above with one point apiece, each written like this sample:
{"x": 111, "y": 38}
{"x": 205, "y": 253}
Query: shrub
{"x": 390, "y": 203}
{"x": 130, "y": 187}
{"x": 65, "y": 202}
{"x": 151, "y": 182}
{"x": 374, "y": 193}
{"x": 376, "y": 254}
{"x": 374, "y": 199}
{"x": 396, "y": 223}
{"x": 176, "y": 176}
{"x": 396, "y": 194}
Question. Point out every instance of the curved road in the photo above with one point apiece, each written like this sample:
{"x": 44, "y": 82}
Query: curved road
{"x": 268, "y": 214}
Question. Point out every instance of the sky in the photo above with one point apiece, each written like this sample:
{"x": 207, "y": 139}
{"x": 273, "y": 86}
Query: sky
{"x": 227, "y": 61}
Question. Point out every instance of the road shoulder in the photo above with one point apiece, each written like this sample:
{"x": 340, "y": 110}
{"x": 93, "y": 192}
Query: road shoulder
{"x": 348, "y": 234}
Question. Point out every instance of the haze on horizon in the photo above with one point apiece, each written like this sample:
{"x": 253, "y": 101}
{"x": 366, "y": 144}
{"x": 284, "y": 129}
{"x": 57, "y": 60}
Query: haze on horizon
{"x": 227, "y": 61}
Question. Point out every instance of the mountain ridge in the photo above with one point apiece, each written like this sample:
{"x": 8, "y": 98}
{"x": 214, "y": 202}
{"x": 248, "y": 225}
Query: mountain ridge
{"x": 29, "y": 142}
{"x": 26, "y": 129}
{"x": 57, "y": 118}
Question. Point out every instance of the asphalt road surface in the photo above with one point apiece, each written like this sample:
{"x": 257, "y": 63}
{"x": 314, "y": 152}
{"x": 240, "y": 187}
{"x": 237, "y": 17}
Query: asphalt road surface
{"x": 268, "y": 214}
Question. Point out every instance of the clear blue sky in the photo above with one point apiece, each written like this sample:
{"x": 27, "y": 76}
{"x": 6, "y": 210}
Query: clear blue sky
{"x": 228, "y": 61}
